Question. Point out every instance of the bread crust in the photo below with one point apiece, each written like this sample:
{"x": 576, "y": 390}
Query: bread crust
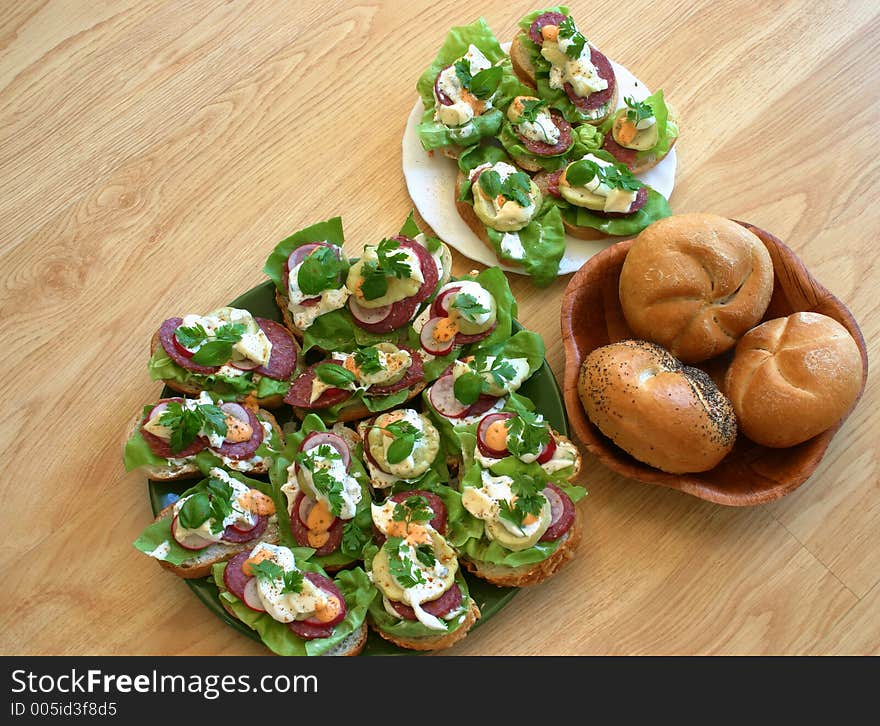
{"x": 438, "y": 643}
{"x": 528, "y": 575}
{"x": 651, "y": 160}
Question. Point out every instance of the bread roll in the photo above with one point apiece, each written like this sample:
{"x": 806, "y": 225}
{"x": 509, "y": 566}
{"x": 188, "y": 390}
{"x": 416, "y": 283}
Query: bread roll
{"x": 695, "y": 283}
{"x": 792, "y": 378}
{"x": 664, "y": 414}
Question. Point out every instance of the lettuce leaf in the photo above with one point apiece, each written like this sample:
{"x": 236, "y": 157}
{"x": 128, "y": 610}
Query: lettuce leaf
{"x": 435, "y": 135}
{"x": 585, "y": 139}
{"x": 327, "y": 231}
{"x": 137, "y": 451}
{"x": 362, "y": 519}
{"x": 543, "y": 243}
{"x": 655, "y": 208}
{"x": 356, "y": 588}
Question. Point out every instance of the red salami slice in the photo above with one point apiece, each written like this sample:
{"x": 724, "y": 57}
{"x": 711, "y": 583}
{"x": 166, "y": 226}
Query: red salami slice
{"x": 542, "y": 148}
{"x": 242, "y": 449}
{"x": 430, "y": 274}
{"x": 399, "y": 314}
{"x": 483, "y": 404}
{"x": 282, "y": 360}
{"x": 413, "y": 375}
{"x": 638, "y": 203}
{"x": 231, "y": 534}
{"x": 621, "y": 153}
{"x": 234, "y": 577}
{"x": 463, "y": 339}
{"x": 438, "y": 521}
{"x": 301, "y": 391}
{"x": 301, "y": 532}
{"x": 310, "y": 629}
{"x": 561, "y": 513}
{"x": 448, "y": 602}
{"x": 161, "y": 447}
{"x": 599, "y": 98}
{"x": 548, "y": 182}
{"x": 166, "y": 337}
{"x": 540, "y": 22}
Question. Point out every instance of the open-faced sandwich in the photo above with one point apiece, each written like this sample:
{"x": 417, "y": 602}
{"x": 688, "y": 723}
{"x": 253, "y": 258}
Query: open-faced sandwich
{"x": 553, "y": 56}
{"x": 291, "y": 602}
{"x": 642, "y": 133}
{"x": 228, "y": 352}
{"x": 222, "y": 515}
{"x": 423, "y": 601}
{"x": 600, "y": 197}
{"x": 177, "y": 438}
{"x": 465, "y": 90}
{"x": 323, "y": 493}
{"x": 509, "y": 212}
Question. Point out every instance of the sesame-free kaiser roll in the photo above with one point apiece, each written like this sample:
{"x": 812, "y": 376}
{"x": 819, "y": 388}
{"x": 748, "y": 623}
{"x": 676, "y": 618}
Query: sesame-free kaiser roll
{"x": 695, "y": 283}
{"x": 792, "y": 378}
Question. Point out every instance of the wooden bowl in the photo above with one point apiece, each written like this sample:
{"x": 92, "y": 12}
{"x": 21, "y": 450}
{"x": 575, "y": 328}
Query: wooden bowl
{"x": 750, "y": 474}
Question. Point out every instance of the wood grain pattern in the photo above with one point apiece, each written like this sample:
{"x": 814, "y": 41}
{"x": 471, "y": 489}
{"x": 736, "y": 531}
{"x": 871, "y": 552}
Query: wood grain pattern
{"x": 152, "y": 153}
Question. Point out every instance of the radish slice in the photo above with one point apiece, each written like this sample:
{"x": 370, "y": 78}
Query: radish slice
{"x": 244, "y": 364}
{"x": 305, "y": 506}
{"x": 252, "y": 596}
{"x": 430, "y": 343}
{"x": 548, "y": 451}
{"x": 300, "y": 253}
{"x": 158, "y": 410}
{"x": 183, "y": 350}
{"x": 442, "y": 397}
{"x": 562, "y": 512}
{"x": 317, "y": 438}
{"x": 483, "y": 427}
{"x": 191, "y": 541}
{"x": 370, "y": 316}
{"x": 440, "y": 306}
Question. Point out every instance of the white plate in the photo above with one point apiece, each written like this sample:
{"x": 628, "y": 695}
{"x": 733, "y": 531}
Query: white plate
{"x": 431, "y": 183}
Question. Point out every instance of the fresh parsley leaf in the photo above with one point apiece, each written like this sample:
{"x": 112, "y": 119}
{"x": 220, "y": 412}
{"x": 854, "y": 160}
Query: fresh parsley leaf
{"x": 637, "y": 110}
{"x": 367, "y": 360}
{"x": 374, "y": 283}
{"x": 210, "y": 502}
{"x": 325, "y": 451}
{"x": 468, "y": 306}
{"x": 468, "y": 387}
{"x": 567, "y": 29}
{"x": 393, "y": 260}
{"x": 267, "y": 570}
{"x": 517, "y": 188}
{"x": 319, "y": 271}
{"x": 334, "y": 375}
{"x": 526, "y": 434}
{"x": 619, "y": 177}
{"x": 531, "y": 108}
{"x": 220, "y": 494}
{"x": 191, "y": 337}
{"x": 405, "y": 437}
{"x": 216, "y": 349}
{"x": 330, "y": 487}
{"x": 490, "y": 183}
{"x": 527, "y": 500}
{"x": 463, "y": 71}
{"x": 486, "y": 82}
{"x": 413, "y": 509}
{"x": 582, "y": 172}
{"x": 195, "y": 511}
{"x": 401, "y": 567}
{"x": 500, "y": 370}
{"x": 186, "y": 423}
{"x": 353, "y": 539}
{"x": 293, "y": 582}
{"x": 425, "y": 555}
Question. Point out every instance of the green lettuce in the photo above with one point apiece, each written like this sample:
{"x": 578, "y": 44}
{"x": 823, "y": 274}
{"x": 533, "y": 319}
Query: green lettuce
{"x": 655, "y": 208}
{"x": 585, "y": 139}
{"x": 328, "y": 231}
{"x": 461, "y": 525}
{"x": 137, "y": 451}
{"x": 667, "y": 128}
{"x": 435, "y": 135}
{"x": 355, "y": 587}
{"x": 362, "y": 520}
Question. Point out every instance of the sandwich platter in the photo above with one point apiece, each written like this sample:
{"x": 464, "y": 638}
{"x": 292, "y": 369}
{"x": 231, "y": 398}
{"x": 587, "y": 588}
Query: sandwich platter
{"x": 430, "y": 179}
{"x": 542, "y": 388}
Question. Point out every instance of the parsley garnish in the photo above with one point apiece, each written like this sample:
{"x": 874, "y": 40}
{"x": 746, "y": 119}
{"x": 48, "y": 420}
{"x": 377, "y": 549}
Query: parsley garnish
{"x": 567, "y": 29}
{"x": 292, "y": 580}
{"x": 468, "y": 306}
{"x": 402, "y": 568}
{"x": 637, "y": 110}
{"x": 516, "y": 187}
{"x": 334, "y": 374}
{"x": 412, "y": 509}
{"x": 211, "y": 501}
{"x": 323, "y": 482}
{"x": 405, "y": 437}
{"x": 186, "y": 423}
{"x": 531, "y": 109}
{"x": 468, "y": 387}
{"x": 319, "y": 271}
{"x": 392, "y": 262}
{"x": 619, "y": 177}
{"x": 367, "y": 360}
{"x": 501, "y": 370}
{"x": 528, "y": 500}
{"x": 353, "y": 538}
{"x": 425, "y": 555}
{"x": 526, "y": 434}
{"x": 483, "y": 84}
{"x": 470, "y": 384}
{"x": 374, "y": 283}
{"x": 211, "y": 350}
{"x": 616, "y": 176}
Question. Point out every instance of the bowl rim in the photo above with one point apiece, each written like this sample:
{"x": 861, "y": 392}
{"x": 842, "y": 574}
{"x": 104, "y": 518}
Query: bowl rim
{"x": 698, "y": 485}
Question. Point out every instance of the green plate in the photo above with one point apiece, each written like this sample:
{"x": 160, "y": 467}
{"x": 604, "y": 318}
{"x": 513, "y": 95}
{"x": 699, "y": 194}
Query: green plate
{"x": 541, "y": 388}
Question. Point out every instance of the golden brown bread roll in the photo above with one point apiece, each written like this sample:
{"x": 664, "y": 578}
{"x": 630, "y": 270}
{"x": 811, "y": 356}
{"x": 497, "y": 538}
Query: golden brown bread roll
{"x": 695, "y": 283}
{"x": 661, "y": 412}
{"x": 792, "y": 378}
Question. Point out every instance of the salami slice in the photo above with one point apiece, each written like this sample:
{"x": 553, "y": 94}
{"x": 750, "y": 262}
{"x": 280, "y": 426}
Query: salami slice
{"x": 621, "y": 153}
{"x": 234, "y": 577}
{"x": 231, "y": 534}
{"x": 464, "y": 339}
{"x": 429, "y": 268}
{"x": 243, "y": 449}
{"x": 542, "y": 148}
{"x": 413, "y": 375}
{"x": 638, "y": 203}
{"x": 282, "y": 360}
{"x": 540, "y": 22}
{"x": 399, "y": 314}
{"x": 162, "y": 448}
{"x": 301, "y": 533}
{"x": 561, "y": 513}
{"x": 311, "y": 629}
{"x": 483, "y": 404}
{"x": 166, "y": 337}
{"x": 301, "y": 391}
{"x": 439, "y": 519}
{"x": 448, "y": 602}
{"x": 599, "y": 98}
{"x": 548, "y": 182}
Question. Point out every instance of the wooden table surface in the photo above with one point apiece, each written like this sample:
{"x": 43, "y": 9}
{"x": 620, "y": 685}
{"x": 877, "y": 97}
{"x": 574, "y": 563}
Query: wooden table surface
{"x": 152, "y": 154}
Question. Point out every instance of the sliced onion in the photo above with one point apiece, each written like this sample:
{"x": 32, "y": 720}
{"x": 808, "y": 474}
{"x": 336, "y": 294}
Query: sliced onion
{"x": 305, "y": 506}
{"x": 252, "y": 596}
{"x": 483, "y": 427}
{"x": 244, "y": 364}
{"x": 441, "y": 95}
{"x": 430, "y": 343}
{"x": 442, "y": 397}
{"x": 370, "y": 316}
{"x": 548, "y": 451}
{"x": 191, "y": 541}
{"x": 440, "y": 306}
{"x": 236, "y": 410}
{"x": 317, "y": 438}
